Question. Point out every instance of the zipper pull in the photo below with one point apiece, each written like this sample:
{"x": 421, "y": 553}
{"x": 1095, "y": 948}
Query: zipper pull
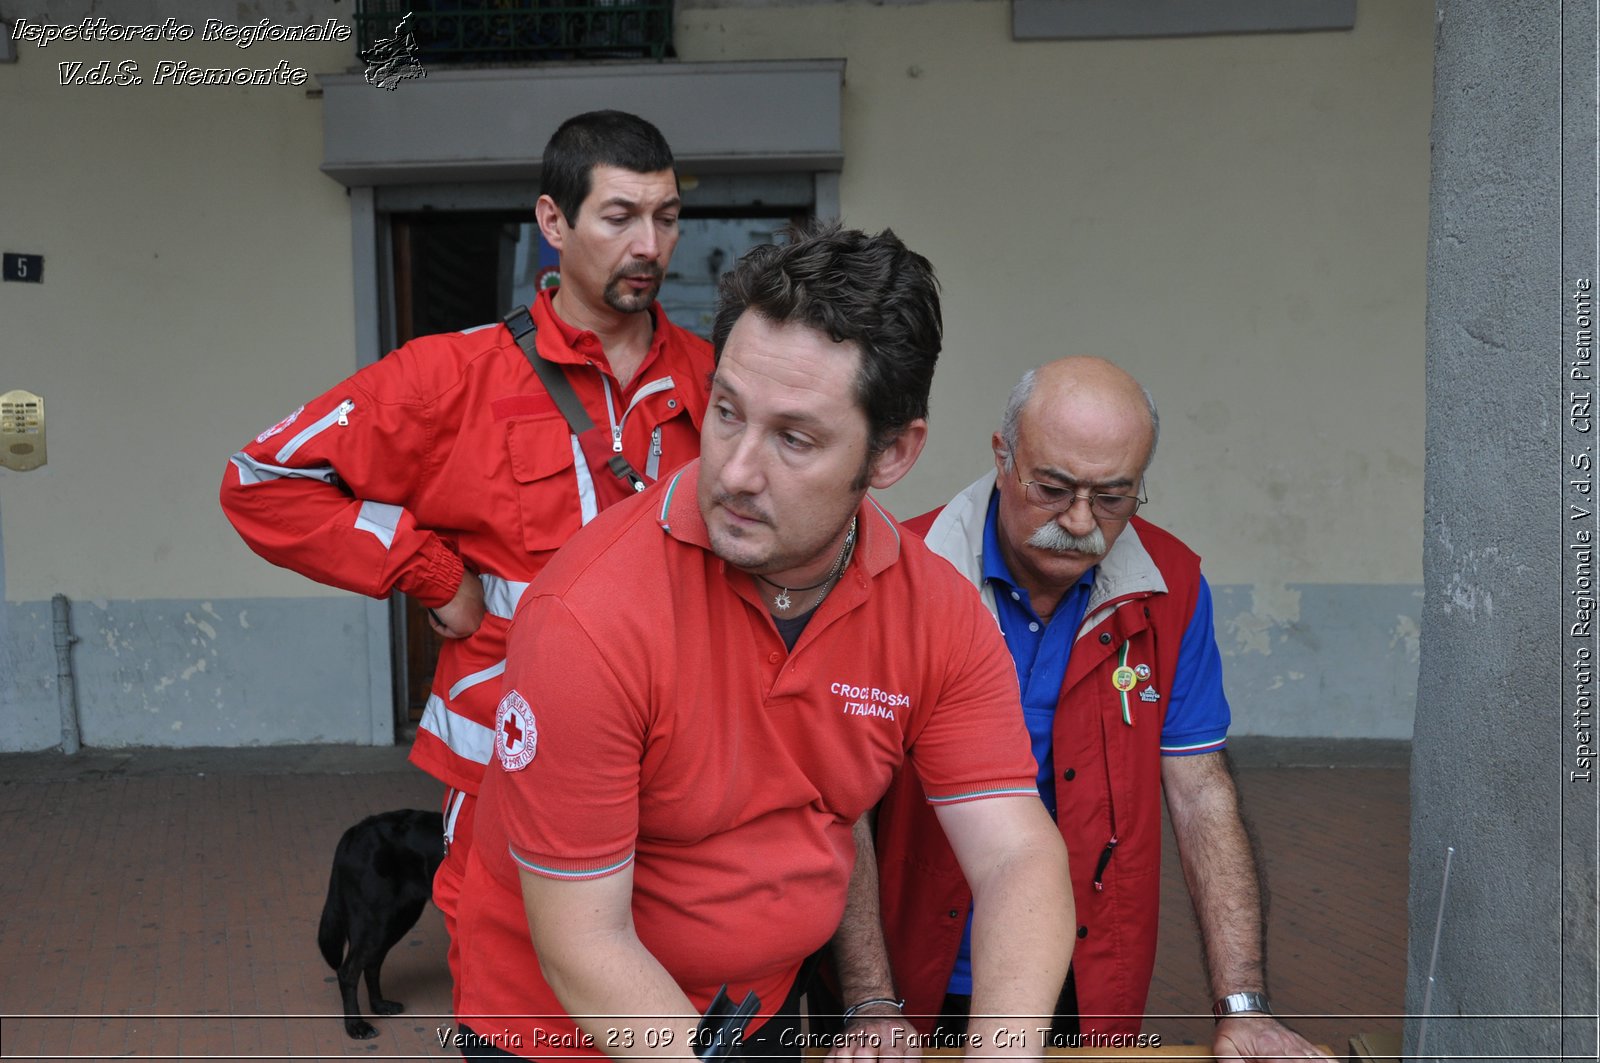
{"x": 655, "y": 441}
{"x": 616, "y": 439}
{"x": 344, "y": 412}
{"x": 1100, "y": 866}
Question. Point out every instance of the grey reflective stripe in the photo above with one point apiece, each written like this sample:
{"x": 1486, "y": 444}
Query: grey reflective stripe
{"x": 475, "y": 678}
{"x": 587, "y": 507}
{"x": 500, "y": 596}
{"x": 467, "y": 739}
{"x": 479, "y": 328}
{"x": 381, "y": 519}
{"x": 331, "y": 417}
{"x": 646, "y": 390}
{"x": 252, "y": 471}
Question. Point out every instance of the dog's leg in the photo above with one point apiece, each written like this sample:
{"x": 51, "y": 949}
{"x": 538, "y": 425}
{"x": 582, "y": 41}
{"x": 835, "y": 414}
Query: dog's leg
{"x": 354, "y": 1024}
{"x": 333, "y": 937}
{"x": 380, "y": 1006}
{"x": 400, "y": 919}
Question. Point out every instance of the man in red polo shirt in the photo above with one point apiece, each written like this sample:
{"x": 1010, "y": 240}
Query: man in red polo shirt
{"x": 714, "y": 681}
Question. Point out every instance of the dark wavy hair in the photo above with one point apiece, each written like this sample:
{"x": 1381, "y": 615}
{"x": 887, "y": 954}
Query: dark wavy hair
{"x": 598, "y": 138}
{"x": 869, "y": 290}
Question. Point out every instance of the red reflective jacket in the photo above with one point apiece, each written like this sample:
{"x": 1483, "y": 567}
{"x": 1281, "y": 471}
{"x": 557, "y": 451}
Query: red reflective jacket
{"x": 449, "y": 454}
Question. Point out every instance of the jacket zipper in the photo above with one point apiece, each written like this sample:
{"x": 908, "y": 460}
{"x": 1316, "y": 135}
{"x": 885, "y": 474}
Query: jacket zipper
{"x": 611, "y": 415}
{"x": 1111, "y": 812}
{"x": 655, "y": 386}
{"x": 339, "y": 415}
{"x": 1105, "y": 751}
{"x": 652, "y": 464}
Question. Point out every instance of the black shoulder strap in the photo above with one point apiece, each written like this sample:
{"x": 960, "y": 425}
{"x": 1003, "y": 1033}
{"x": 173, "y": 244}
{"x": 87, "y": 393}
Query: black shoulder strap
{"x": 555, "y": 381}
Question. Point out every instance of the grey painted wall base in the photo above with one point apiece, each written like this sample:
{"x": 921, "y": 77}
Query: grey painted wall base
{"x": 196, "y": 673}
{"x": 1311, "y": 660}
{"x": 1304, "y": 661}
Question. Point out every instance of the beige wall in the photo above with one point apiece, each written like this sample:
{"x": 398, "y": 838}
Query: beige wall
{"x": 197, "y": 287}
{"x": 1240, "y": 221}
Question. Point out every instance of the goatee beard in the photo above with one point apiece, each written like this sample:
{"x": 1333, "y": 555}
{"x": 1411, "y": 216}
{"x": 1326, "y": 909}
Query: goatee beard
{"x": 625, "y": 300}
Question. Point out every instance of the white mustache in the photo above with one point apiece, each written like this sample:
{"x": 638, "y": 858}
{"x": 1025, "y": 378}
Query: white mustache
{"x": 1056, "y": 539}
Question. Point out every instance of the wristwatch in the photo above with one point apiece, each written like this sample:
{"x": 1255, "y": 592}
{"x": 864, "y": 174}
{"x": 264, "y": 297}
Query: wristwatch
{"x": 1234, "y": 1003}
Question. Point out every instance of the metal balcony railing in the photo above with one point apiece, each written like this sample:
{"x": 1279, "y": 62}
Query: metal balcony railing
{"x": 457, "y": 32}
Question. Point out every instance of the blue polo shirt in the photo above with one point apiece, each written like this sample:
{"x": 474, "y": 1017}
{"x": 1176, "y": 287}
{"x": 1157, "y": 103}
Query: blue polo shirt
{"x": 1197, "y": 712}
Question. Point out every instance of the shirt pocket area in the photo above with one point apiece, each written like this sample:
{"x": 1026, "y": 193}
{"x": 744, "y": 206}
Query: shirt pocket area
{"x": 549, "y": 498}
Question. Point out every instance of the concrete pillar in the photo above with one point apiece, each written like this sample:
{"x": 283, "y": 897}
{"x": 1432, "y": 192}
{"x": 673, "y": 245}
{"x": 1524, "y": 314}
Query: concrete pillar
{"x": 1503, "y": 768}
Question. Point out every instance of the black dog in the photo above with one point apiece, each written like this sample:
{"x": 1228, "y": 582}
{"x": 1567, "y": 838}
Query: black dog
{"x": 382, "y": 879}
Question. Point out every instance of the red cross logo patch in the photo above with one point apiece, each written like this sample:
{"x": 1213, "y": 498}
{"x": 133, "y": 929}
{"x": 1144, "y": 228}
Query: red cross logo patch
{"x": 514, "y": 735}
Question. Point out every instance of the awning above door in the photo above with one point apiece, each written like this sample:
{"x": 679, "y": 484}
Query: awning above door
{"x": 492, "y": 124}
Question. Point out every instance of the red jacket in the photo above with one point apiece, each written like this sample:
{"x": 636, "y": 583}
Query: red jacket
{"x": 1108, "y": 784}
{"x": 449, "y": 454}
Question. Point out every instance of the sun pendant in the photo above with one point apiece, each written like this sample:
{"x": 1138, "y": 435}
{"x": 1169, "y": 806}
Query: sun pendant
{"x": 781, "y": 601}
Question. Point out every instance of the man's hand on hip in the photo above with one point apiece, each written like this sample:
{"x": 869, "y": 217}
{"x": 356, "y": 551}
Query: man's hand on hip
{"x": 461, "y": 615}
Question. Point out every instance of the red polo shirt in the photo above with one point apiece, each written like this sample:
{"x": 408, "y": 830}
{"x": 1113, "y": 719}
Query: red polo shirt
{"x": 653, "y": 717}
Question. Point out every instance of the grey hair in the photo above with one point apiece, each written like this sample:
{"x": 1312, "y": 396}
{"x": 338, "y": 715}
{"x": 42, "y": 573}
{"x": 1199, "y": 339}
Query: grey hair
{"x": 1023, "y": 391}
{"x": 1020, "y": 394}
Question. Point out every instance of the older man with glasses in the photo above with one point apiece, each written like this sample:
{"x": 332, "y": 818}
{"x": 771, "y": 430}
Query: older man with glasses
{"x": 1109, "y": 622}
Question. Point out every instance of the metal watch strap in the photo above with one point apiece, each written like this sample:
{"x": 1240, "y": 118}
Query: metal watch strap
{"x": 1234, "y": 1003}
{"x": 898, "y": 1004}
{"x": 555, "y": 381}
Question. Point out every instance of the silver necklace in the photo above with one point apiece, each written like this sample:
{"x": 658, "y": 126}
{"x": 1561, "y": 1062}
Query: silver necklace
{"x": 783, "y": 603}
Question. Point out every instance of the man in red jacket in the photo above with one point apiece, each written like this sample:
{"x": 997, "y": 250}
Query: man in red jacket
{"x": 447, "y": 471}
{"x": 1108, "y": 621}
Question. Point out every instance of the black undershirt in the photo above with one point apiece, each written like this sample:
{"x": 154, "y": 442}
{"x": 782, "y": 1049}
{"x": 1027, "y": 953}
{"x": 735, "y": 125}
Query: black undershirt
{"x": 789, "y": 628}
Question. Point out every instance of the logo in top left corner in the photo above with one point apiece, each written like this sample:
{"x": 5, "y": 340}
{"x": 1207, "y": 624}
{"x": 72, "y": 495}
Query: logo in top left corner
{"x": 514, "y": 735}
{"x": 280, "y": 426}
{"x": 391, "y": 60}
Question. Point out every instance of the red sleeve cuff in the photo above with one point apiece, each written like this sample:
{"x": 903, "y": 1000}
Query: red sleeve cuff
{"x": 439, "y": 579}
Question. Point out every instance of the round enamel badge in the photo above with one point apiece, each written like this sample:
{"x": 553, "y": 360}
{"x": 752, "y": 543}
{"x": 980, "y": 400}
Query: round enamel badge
{"x": 514, "y": 735}
{"x": 1142, "y": 671}
{"x": 1124, "y": 678}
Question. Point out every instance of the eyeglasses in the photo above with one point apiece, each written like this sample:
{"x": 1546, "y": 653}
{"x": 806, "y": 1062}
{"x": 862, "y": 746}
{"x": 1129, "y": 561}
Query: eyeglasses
{"x": 1103, "y": 504}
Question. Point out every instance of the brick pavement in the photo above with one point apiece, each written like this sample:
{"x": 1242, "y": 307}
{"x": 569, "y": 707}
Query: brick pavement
{"x": 164, "y": 904}
{"x": 1334, "y": 843}
{"x": 175, "y": 915}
